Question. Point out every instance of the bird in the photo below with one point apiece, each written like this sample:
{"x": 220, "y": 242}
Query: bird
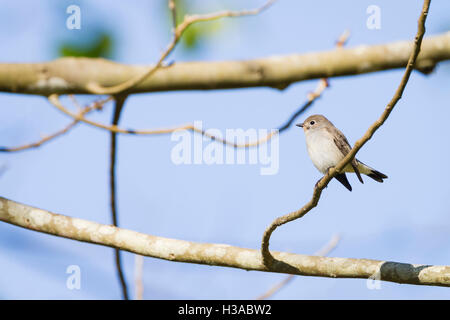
{"x": 327, "y": 146}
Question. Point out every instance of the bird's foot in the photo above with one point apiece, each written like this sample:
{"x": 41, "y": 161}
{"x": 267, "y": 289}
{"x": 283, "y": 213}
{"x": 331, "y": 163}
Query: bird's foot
{"x": 328, "y": 172}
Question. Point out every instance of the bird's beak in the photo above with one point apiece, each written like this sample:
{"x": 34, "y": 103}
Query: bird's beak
{"x": 299, "y": 125}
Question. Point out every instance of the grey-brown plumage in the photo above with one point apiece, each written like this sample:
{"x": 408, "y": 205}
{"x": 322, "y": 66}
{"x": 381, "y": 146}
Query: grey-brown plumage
{"x": 341, "y": 142}
{"x": 327, "y": 146}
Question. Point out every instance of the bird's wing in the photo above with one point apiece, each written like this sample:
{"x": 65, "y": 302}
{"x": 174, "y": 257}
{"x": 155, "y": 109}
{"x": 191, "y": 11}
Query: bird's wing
{"x": 341, "y": 142}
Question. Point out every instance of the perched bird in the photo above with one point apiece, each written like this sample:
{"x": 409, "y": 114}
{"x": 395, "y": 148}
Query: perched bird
{"x": 327, "y": 146}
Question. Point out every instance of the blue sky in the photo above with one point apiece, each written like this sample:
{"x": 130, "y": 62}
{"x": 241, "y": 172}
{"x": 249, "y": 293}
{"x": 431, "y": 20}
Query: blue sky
{"x": 405, "y": 219}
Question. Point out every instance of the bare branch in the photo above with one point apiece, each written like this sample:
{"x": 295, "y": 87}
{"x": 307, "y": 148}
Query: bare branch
{"x": 324, "y": 251}
{"x": 70, "y": 75}
{"x": 54, "y": 99}
{"x": 95, "y": 88}
{"x": 217, "y": 254}
{"x": 120, "y": 100}
{"x": 173, "y": 10}
{"x": 312, "y": 96}
{"x": 98, "y": 105}
{"x": 322, "y": 183}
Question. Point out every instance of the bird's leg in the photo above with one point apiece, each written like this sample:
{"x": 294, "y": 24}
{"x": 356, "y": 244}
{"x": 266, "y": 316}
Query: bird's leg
{"x": 328, "y": 172}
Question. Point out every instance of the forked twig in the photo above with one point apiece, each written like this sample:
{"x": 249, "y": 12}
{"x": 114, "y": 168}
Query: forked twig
{"x": 98, "y": 105}
{"x": 188, "y": 20}
{"x": 311, "y": 97}
{"x": 325, "y": 250}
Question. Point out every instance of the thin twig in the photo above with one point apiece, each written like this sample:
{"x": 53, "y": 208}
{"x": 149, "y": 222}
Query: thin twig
{"x": 267, "y": 257}
{"x": 120, "y": 100}
{"x": 54, "y": 100}
{"x": 98, "y": 105}
{"x": 321, "y": 86}
{"x": 173, "y": 10}
{"x": 324, "y": 251}
{"x": 188, "y": 20}
{"x": 311, "y": 97}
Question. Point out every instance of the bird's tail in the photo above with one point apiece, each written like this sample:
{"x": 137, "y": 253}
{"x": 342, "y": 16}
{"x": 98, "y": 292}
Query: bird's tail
{"x": 370, "y": 172}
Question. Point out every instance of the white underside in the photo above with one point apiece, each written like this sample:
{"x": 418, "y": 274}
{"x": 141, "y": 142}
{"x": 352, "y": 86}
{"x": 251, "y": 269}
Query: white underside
{"x": 325, "y": 154}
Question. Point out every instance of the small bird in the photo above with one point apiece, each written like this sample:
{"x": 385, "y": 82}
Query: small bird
{"x": 327, "y": 146}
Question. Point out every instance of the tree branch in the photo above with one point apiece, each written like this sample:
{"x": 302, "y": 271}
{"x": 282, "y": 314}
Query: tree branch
{"x": 119, "y": 103}
{"x": 188, "y": 20}
{"x": 98, "y": 105}
{"x": 71, "y": 75}
{"x": 322, "y": 183}
{"x": 324, "y": 251}
{"x": 312, "y": 96}
{"x": 217, "y": 254}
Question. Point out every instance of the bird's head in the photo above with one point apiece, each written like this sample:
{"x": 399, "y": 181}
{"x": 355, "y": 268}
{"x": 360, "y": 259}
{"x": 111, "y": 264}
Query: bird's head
{"x": 313, "y": 122}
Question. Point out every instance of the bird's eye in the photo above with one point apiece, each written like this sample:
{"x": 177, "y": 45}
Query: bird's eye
{"x": 312, "y": 123}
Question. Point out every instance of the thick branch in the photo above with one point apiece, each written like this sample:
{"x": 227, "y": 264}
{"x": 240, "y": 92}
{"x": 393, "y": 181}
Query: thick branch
{"x": 322, "y": 252}
{"x": 71, "y": 75}
{"x": 217, "y": 254}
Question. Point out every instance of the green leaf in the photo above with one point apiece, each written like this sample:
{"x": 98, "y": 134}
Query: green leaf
{"x": 101, "y": 46}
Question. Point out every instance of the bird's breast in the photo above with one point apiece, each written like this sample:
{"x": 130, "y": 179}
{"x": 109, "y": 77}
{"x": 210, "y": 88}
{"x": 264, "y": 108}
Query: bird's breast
{"x": 322, "y": 150}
